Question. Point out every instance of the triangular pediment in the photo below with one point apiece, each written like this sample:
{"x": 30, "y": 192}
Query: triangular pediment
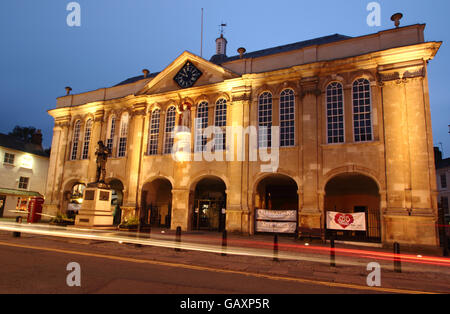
{"x": 165, "y": 82}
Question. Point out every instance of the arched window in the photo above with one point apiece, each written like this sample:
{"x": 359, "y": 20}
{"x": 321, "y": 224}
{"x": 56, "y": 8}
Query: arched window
{"x": 220, "y": 121}
{"x": 168, "y": 131}
{"x": 201, "y": 123}
{"x": 75, "y": 140}
{"x": 154, "y": 133}
{"x": 111, "y": 131}
{"x": 87, "y": 139}
{"x": 362, "y": 111}
{"x": 335, "y": 113}
{"x": 265, "y": 120}
{"x": 287, "y": 118}
{"x": 123, "y": 135}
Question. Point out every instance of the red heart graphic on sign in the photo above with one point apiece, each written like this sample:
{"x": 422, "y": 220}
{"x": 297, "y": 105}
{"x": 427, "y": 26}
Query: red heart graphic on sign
{"x": 343, "y": 220}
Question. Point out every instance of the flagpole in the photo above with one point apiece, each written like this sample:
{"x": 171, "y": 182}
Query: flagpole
{"x": 201, "y": 40}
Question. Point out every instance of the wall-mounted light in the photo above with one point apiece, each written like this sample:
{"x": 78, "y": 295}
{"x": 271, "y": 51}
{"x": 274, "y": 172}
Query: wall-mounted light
{"x": 27, "y": 162}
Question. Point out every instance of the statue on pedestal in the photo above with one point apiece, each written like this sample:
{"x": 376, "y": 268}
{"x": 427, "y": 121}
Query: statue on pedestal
{"x": 102, "y": 156}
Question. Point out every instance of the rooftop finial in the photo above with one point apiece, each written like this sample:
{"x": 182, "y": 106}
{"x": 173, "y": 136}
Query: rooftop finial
{"x": 396, "y": 18}
{"x": 221, "y": 28}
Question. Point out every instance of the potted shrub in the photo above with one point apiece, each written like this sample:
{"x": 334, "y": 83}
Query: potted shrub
{"x": 61, "y": 220}
{"x": 129, "y": 224}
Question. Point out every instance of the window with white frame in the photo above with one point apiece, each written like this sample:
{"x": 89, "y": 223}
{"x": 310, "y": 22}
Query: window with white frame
{"x": 153, "y": 133}
{"x": 75, "y": 140}
{"x": 265, "y": 120}
{"x": 335, "y": 113}
{"x": 362, "y": 111}
{"x": 220, "y": 122}
{"x": 287, "y": 118}
{"x": 123, "y": 135}
{"x": 9, "y": 159}
{"x": 169, "y": 129}
{"x": 87, "y": 139}
{"x": 201, "y": 123}
{"x": 111, "y": 131}
{"x": 23, "y": 183}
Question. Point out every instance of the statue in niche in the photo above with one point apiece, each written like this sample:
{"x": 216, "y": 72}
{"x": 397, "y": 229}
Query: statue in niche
{"x": 184, "y": 111}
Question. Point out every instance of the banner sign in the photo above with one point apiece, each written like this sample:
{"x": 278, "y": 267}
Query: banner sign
{"x": 343, "y": 221}
{"x": 278, "y": 215}
{"x": 276, "y": 227}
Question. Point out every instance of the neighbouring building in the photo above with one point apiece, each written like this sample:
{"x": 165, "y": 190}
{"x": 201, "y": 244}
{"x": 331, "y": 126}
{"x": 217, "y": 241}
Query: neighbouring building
{"x": 23, "y": 173}
{"x": 443, "y": 177}
{"x": 354, "y": 135}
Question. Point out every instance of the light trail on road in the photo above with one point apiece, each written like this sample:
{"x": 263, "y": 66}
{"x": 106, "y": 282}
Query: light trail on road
{"x": 257, "y": 248}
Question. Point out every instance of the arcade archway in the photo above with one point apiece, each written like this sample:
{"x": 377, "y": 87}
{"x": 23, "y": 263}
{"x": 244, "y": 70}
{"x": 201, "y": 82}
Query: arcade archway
{"x": 209, "y": 205}
{"x": 276, "y": 204}
{"x": 354, "y": 193}
{"x": 156, "y": 203}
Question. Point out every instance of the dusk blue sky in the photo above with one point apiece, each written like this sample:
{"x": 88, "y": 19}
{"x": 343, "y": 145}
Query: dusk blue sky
{"x": 40, "y": 54}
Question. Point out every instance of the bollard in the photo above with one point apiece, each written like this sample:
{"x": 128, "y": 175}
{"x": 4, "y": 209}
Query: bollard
{"x": 397, "y": 259}
{"x": 178, "y": 238}
{"x": 15, "y": 233}
{"x": 224, "y": 243}
{"x": 275, "y": 248}
{"x": 332, "y": 252}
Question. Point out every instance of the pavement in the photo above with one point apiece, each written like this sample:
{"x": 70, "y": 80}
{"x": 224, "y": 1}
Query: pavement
{"x": 296, "y": 259}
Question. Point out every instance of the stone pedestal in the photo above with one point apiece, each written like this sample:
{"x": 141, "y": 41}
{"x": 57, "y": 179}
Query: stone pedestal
{"x": 96, "y": 208}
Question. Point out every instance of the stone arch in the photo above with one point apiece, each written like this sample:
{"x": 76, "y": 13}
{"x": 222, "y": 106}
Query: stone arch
{"x": 351, "y": 169}
{"x": 354, "y": 192}
{"x": 207, "y": 198}
{"x": 156, "y": 201}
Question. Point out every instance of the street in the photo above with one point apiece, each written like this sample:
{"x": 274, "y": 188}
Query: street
{"x": 35, "y": 270}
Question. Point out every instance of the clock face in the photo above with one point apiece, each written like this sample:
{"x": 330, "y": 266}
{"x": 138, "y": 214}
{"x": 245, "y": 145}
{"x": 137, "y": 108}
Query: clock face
{"x": 187, "y": 76}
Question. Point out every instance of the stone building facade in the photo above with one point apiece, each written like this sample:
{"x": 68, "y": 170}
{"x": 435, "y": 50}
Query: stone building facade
{"x": 355, "y": 135}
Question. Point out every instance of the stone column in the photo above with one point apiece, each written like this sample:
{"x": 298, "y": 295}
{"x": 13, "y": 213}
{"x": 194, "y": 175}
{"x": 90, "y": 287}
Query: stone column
{"x": 134, "y": 153}
{"x": 181, "y": 212}
{"x": 310, "y": 213}
{"x": 410, "y": 216}
{"x": 56, "y": 165}
{"x": 238, "y": 218}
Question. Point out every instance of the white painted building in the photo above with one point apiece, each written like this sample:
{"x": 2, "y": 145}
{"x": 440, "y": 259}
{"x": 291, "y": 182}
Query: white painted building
{"x": 23, "y": 173}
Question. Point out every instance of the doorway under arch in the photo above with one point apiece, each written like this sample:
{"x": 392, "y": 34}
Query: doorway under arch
{"x": 209, "y": 204}
{"x": 156, "y": 203}
{"x": 354, "y": 193}
{"x": 116, "y": 199}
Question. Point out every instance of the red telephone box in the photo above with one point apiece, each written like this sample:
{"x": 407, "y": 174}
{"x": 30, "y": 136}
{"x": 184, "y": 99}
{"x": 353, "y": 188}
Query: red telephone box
{"x": 35, "y": 209}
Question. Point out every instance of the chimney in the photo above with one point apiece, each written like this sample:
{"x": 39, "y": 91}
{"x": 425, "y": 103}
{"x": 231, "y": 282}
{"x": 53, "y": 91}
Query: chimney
{"x": 146, "y": 72}
{"x": 68, "y": 90}
{"x": 36, "y": 138}
{"x": 437, "y": 156}
{"x": 221, "y": 45}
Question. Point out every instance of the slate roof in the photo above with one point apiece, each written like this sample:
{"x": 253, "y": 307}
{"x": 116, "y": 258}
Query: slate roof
{"x": 444, "y": 163}
{"x": 12, "y": 142}
{"x": 219, "y": 59}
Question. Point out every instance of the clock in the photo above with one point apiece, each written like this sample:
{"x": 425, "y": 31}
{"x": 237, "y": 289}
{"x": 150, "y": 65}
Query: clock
{"x": 188, "y": 75}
